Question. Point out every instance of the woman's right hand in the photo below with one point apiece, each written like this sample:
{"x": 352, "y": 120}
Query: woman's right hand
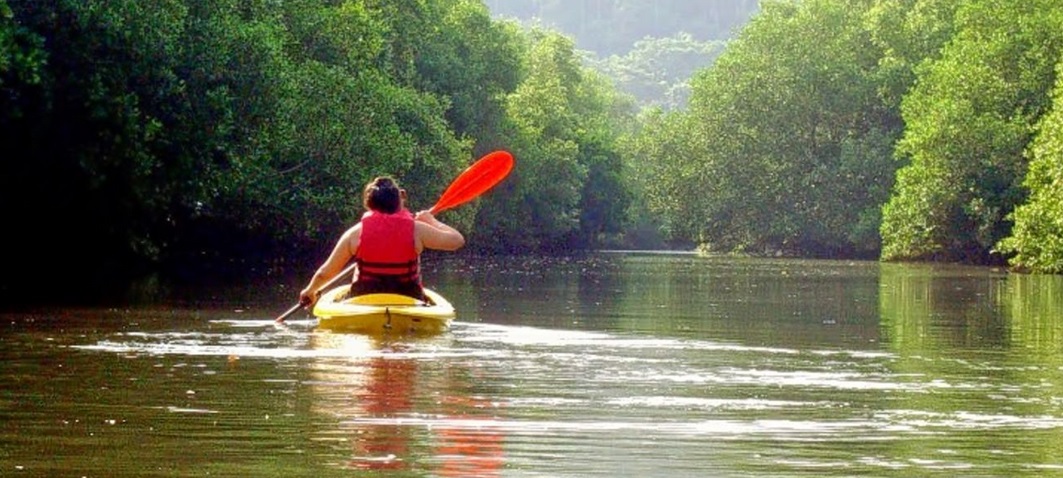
{"x": 306, "y": 298}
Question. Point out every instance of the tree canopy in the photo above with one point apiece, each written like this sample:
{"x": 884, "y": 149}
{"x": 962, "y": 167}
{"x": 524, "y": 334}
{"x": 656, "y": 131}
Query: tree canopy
{"x": 141, "y": 135}
{"x": 900, "y": 129}
{"x": 228, "y": 130}
{"x": 969, "y": 118}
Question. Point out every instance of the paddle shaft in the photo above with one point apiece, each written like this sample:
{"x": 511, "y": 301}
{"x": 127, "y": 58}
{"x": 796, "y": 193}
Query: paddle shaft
{"x": 295, "y": 308}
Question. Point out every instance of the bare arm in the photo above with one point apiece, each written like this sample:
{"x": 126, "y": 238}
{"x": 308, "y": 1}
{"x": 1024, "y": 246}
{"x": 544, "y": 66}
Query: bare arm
{"x": 433, "y": 234}
{"x": 340, "y": 256}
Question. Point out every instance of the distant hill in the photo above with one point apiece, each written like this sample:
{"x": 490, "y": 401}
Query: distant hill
{"x": 650, "y": 48}
{"x": 611, "y": 27}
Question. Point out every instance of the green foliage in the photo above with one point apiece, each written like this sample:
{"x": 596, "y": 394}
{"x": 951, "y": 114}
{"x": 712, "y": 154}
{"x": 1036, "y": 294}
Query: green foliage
{"x": 1037, "y": 238}
{"x": 968, "y": 120}
{"x": 204, "y": 127}
{"x": 909, "y": 33}
{"x": 21, "y": 61}
{"x": 93, "y": 123}
{"x": 545, "y": 191}
{"x": 228, "y": 129}
{"x": 793, "y": 147}
{"x": 472, "y": 62}
{"x": 664, "y": 183}
{"x": 604, "y": 201}
{"x": 658, "y": 70}
{"x": 345, "y": 34}
{"x": 562, "y": 121}
{"x": 313, "y": 118}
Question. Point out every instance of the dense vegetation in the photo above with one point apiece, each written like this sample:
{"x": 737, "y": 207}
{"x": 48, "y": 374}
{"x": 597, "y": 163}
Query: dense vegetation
{"x": 158, "y": 132}
{"x": 901, "y": 129}
{"x": 140, "y": 134}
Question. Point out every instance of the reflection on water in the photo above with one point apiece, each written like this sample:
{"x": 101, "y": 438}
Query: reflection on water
{"x": 613, "y": 365}
{"x": 992, "y": 342}
{"x": 377, "y": 393}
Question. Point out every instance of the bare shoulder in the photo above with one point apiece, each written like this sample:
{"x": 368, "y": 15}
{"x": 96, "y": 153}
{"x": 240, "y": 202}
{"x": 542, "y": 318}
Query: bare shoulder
{"x": 354, "y": 231}
{"x": 352, "y": 237}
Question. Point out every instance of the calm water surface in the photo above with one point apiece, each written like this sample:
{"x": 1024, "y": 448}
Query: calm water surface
{"x": 613, "y": 365}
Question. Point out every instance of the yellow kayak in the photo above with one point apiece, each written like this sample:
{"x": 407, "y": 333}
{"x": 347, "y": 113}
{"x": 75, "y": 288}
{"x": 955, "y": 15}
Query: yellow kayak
{"x": 382, "y": 313}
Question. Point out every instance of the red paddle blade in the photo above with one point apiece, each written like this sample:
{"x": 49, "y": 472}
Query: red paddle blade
{"x": 475, "y": 180}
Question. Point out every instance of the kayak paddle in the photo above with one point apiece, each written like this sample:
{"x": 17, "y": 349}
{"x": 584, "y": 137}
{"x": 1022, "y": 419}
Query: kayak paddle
{"x": 475, "y": 180}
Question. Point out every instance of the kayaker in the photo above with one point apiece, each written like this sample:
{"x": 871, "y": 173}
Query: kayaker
{"x": 386, "y": 244}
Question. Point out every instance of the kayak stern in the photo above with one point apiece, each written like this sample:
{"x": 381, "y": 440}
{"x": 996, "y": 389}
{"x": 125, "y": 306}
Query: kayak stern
{"x": 383, "y": 313}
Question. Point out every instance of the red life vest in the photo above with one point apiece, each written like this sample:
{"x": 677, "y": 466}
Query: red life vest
{"x": 387, "y": 256}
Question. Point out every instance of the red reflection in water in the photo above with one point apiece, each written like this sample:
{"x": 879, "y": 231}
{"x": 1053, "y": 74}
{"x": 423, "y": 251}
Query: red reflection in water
{"x": 472, "y": 448}
{"x": 464, "y": 442}
{"x": 387, "y": 394}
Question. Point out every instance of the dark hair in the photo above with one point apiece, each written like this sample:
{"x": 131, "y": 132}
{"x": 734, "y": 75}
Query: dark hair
{"x": 382, "y": 195}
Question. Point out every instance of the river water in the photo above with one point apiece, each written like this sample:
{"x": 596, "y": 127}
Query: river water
{"x": 618, "y": 364}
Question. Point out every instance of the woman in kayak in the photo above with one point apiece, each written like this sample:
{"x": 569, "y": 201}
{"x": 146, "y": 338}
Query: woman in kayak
{"x": 386, "y": 244}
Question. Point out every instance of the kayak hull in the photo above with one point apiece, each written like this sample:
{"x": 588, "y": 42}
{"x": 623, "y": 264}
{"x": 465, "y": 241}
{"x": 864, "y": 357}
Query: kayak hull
{"x": 382, "y": 313}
